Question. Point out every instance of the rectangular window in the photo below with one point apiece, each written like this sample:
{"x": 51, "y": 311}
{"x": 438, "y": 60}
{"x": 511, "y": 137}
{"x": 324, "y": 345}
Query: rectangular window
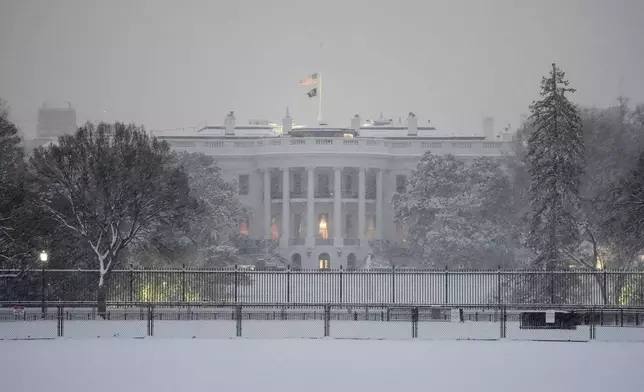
{"x": 347, "y": 226}
{"x": 323, "y": 226}
{"x": 276, "y": 227}
{"x": 276, "y": 188}
{"x": 323, "y": 185}
{"x": 244, "y": 184}
{"x": 297, "y": 184}
{"x": 297, "y": 226}
{"x": 401, "y": 183}
{"x": 347, "y": 184}
{"x": 243, "y": 228}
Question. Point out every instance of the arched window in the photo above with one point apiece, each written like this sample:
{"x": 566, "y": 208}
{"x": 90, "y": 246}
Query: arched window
{"x": 296, "y": 261}
{"x": 324, "y": 261}
{"x": 351, "y": 261}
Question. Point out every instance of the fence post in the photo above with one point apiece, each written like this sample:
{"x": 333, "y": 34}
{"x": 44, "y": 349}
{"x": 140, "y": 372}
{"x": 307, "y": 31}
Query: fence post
{"x": 131, "y": 285}
{"x": 183, "y": 283}
{"x": 288, "y": 284}
{"x": 341, "y": 279}
{"x": 238, "y": 317}
{"x": 446, "y": 285}
{"x": 414, "y": 322}
{"x": 150, "y": 320}
{"x": 591, "y": 326}
{"x": 42, "y": 294}
{"x": 503, "y": 321}
{"x": 61, "y": 321}
{"x": 393, "y": 287}
{"x": 498, "y": 286}
{"x": 327, "y": 320}
{"x": 605, "y": 283}
{"x": 236, "y": 283}
{"x": 552, "y": 288}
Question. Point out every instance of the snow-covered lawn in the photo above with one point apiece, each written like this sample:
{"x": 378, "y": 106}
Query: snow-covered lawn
{"x": 307, "y": 329}
{"x": 159, "y": 365}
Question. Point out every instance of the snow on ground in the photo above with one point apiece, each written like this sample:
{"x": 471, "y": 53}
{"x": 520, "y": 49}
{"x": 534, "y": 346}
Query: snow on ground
{"x": 160, "y": 365}
{"x": 308, "y": 329}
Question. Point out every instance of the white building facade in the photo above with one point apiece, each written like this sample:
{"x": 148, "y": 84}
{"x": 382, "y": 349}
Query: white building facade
{"x": 323, "y": 194}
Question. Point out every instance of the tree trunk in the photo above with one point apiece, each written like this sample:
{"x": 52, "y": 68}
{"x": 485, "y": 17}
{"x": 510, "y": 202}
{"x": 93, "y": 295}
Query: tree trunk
{"x": 101, "y": 296}
{"x": 102, "y": 301}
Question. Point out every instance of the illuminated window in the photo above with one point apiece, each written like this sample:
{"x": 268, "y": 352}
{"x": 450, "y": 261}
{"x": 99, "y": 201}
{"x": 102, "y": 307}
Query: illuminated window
{"x": 275, "y": 231}
{"x": 322, "y": 227}
{"x": 324, "y": 261}
{"x": 370, "y": 230}
{"x": 243, "y": 228}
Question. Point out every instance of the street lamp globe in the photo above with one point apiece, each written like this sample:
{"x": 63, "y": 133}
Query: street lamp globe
{"x": 44, "y": 256}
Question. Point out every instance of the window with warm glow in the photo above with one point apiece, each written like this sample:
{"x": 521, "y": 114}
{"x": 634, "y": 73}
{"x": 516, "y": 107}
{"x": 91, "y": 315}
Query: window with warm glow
{"x": 243, "y": 228}
{"x": 323, "y": 230}
{"x": 275, "y": 231}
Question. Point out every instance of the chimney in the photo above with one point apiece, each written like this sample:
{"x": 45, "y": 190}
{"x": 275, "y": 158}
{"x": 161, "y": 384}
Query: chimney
{"x": 355, "y": 123}
{"x": 488, "y": 128}
{"x": 412, "y": 125}
{"x": 287, "y": 124}
{"x": 229, "y": 123}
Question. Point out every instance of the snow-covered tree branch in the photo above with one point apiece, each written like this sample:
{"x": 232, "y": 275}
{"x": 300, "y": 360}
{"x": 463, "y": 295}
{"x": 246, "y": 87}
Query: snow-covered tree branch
{"x": 111, "y": 184}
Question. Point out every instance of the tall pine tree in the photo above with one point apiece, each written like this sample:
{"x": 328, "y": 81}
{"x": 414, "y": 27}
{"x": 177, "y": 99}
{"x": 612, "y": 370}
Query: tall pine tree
{"x": 555, "y": 163}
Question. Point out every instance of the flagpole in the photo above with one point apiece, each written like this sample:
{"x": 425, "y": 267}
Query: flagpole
{"x": 320, "y": 122}
{"x": 320, "y": 99}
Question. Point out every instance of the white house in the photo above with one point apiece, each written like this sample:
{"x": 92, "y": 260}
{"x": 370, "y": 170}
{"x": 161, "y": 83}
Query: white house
{"x": 323, "y": 193}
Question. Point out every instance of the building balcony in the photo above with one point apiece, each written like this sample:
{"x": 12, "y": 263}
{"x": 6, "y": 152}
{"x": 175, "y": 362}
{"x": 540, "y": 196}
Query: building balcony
{"x": 323, "y": 194}
{"x": 324, "y": 241}
{"x": 349, "y": 194}
{"x": 296, "y": 241}
{"x": 298, "y": 195}
{"x": 311, "y": 145}
{"x": 351, "y": 241}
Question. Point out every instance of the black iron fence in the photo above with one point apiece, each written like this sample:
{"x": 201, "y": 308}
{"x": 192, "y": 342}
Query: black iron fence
{"x": 391, "y": 286}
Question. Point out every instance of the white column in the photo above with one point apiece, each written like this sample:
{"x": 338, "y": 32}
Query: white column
{"x": 361, "y": 207}
{"x": 286, "y": 207}
{"x": 310, "y": 207}
{"x": 267, "y": 203}
{"x": 337, "y": 207}
{"x": 379, "y": 201}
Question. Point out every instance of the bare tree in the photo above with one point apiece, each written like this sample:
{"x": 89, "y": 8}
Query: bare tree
{"x": 111, "y": 185}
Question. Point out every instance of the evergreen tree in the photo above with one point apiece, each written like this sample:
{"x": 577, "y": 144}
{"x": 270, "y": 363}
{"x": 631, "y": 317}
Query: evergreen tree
{"x": 555, "y": 164}
{"x": 456, "y": 214}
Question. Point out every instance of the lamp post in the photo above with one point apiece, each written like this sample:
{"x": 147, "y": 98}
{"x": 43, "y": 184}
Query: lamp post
{"x": 43, "y": 262}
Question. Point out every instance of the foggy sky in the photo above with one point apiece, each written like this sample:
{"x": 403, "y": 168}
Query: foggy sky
{"x": 168, "y": 64}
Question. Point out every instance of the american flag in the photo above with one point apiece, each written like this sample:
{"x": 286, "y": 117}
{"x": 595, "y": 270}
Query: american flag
{"x": 310, "y": 80}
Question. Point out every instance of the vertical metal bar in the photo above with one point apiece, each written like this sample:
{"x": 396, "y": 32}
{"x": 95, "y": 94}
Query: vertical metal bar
{"x": 414, "y": 322}
{"x": 498, "y": 286}
{"x": 288, "y": 284}
{"x": 60, "y": 322}
{"x": 131, "y": 284}
{"x": 42, "y": 293}
{"x": 183, "y": 284}
{"x": 552, "y": 288}
{"x": 327, "y": 320}
{"x": 236, "y": 281}
{"x": 393, "y": 288}
{"x": 446, "y": 285}
{"x": 238, "y": 317}
{"x": 341, "y": 283}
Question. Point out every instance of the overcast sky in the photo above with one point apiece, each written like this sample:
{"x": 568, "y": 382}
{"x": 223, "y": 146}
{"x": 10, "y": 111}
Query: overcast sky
{"x": 168, "y": 64}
